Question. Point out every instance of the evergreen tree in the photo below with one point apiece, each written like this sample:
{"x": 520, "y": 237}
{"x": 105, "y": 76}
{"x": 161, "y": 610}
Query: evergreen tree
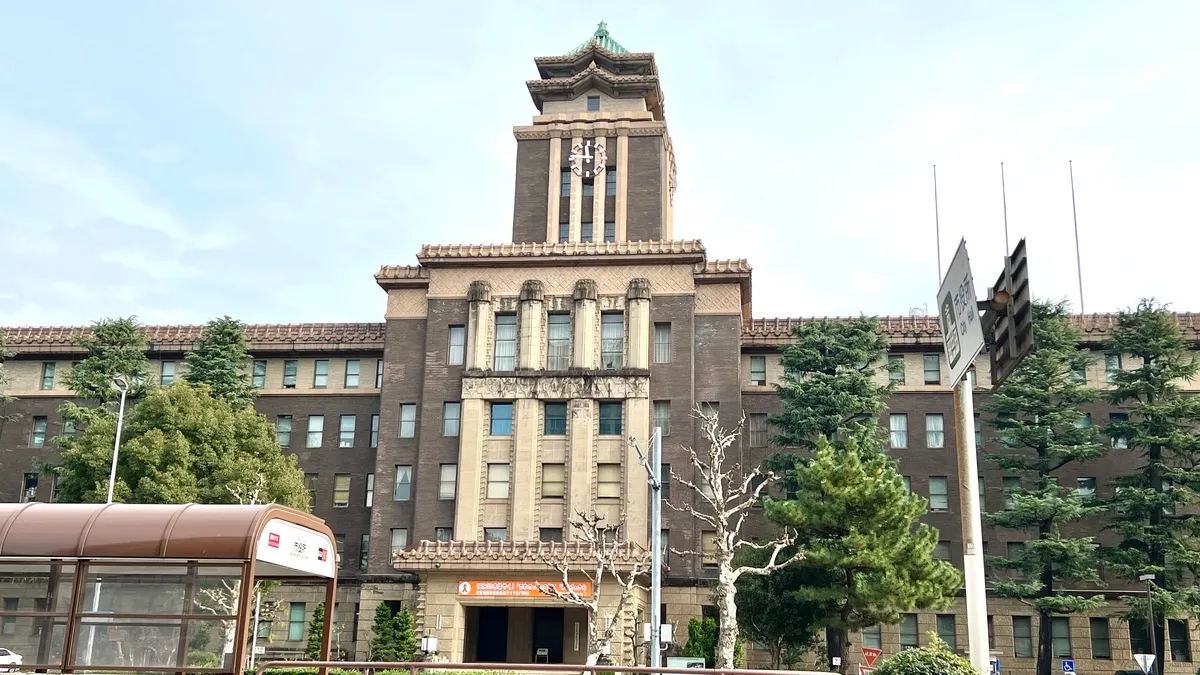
{"x": 1157, "y": 536}
{"x": 702, "y": 642}
{"x": 1043, "y": 430}
{"x": 772, "y": 613}
{"x": 115, "y": 348}
{"x": 384, "y": 645}
{"x": 406, "y": 635}
{"x": 218, "y": 361}
{"x": 860, "y": 527}
{"x": 316, "y": 631}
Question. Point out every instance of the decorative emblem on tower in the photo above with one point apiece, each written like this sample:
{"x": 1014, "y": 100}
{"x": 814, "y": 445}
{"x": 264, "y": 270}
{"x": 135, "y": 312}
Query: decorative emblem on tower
{"x": 588, "y": 157}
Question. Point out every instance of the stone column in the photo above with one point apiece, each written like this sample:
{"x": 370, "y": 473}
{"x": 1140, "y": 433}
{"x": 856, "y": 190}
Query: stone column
{"x": 470, "y": 465}
{"x": 622, "y": 201}
{"x": 580, "y": 458}
{"x": 554, "y": 189}
{"x": 524, "y": 469}
{"x": 576, "y": 198}
{"x": 637, "y": 491}
{"x": 583, "y": 352}
{"x": 529, "y": 356}
{"x": 479, "y": 328}
{"x": 637, "y": 318}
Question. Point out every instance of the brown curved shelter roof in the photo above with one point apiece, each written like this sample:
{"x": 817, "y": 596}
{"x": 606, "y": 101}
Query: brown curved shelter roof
{"x": 168, "y": 531}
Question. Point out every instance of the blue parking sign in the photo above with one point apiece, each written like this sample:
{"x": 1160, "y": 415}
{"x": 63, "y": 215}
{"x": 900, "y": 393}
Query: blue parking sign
{"x": 1068, "y": 665}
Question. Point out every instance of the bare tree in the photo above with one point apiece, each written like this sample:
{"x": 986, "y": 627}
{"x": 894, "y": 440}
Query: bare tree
{"x": 5, "y": 380}
{"x": 610, "y": 557}
{"x": 727, "y": 493}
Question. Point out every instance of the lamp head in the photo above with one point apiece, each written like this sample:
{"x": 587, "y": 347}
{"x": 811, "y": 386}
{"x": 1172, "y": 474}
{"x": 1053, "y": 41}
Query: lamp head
{"x": 121, "y": 383}
{"x": 1000, "y": 299}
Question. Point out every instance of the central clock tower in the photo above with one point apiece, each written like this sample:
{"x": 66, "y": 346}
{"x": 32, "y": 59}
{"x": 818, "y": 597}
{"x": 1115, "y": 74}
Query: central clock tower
{"x": 596, "y": 164}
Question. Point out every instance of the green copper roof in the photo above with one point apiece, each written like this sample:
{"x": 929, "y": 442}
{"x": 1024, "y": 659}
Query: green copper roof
{"x": 602, "y": 39}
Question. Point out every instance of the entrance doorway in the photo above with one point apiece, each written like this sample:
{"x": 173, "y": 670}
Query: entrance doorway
{"x": 492, "y": 635}
{"x": 548, "y": 625}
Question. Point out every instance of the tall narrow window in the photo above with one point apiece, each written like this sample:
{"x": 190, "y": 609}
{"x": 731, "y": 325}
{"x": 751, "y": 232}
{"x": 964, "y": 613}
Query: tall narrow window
{"x": 933, "y": 369}
{"x": 448, "y": 481}
{"x": 608, "y": 481}
{"x": 612, "y": 340}
{"x": 946, "y": 630}
{"x": 374, "y": 431}
{"x": 907, "y": 483}
{"x": 341, "y": 490}
{"x": 554, "y": 481}
{"x": 610, "y": 189}
{"x": 316, "y": 430}
{"x": 290, "y": 367}
{"x": 502, "y": 419}
{"x": 758, "y": 430}
{"x": 898, "y": 428}
{"x": 564, "y": 233}
{"x": 896, "y": 369}
{"x": 451, "y": 418}
{"x": 585, "y": 228}
{"x": 1060, "y": 637}
{"x": 610, "y": 227}
{"x": 320, "y": 373}
{"x": 283, "y": 430}
{"x": 1112, "y": 366}
{"x": 662, "y": 343}
{"x": 402, "y": 491}
{"x": 1079, "y": 376}
{"x": 1101, "y": 639}
{"x": 369, "y": 499}
{"x": 872, "y": 636}
{"x": 346, "y": 426}
{"x": 664, "y": 479}
{"x": 353, "y": 371}
{"x": 364, "y": 551}
{"x": 588, "y": 189}
{"x": 399, "y": 539}
{"x": 610, "y": 418}
{"x": 758, "y": 371}
{"x": 379, "y": 373}
{"x": 938, "y": 495}
{"x": 1119, "y": 441}
{"x": 662, "y": 417}
{"x": 1022, "y": 637}
{"x": 506, "y": 342}
{"x": 708, "y": 548}
{"x": 37, "y": 435}
{"x": 978, "y": 432}
{"x": 1177, "y": 631}
{"x": 565, "y": 183}
{"x": 935, "y": 431}
{"x": 909, "y": 637}
{"x": 558, "y": 342}
{"x": 48, "y": 369}
{"x": 1011, "y": 485}
{"x": 311, "y": 482}
{"x": 29, "y": 486}
{"x": 556, "y": 419}
{"x": 296, "y": 621}
{"x": 258, "y": 377}
{"x": 408, "y": 420}
{"x": 497, "y": 480}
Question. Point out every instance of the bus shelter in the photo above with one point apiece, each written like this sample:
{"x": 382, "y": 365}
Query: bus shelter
{"x": 146, "y": 587}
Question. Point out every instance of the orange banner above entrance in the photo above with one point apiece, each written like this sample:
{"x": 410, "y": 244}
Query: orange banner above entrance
{"x": 518, "y": 589}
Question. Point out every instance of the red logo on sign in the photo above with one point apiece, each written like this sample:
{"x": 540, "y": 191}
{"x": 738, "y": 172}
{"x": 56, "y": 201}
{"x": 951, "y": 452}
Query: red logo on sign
{"x": 273, "y": 540}
{"x": 322, "y": 554}
{"x": 870, "y": 654}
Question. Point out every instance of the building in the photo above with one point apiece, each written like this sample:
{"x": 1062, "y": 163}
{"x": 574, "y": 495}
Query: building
{"x": 448, "y": 445}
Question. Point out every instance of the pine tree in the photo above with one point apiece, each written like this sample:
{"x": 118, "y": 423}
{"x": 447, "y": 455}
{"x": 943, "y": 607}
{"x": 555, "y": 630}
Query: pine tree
{"x": 859, "y": 526}
{"x": 1154, "y": 507}
{"x": 384, "y": 645}
{"x": 771, "y": 613}
{"x": 115, "y": 348}
{"x": 218, "y": 361}
{"x": 405, "y": 629}
{"x": 1043, "y": 430}
{"x": 316, "y": 631}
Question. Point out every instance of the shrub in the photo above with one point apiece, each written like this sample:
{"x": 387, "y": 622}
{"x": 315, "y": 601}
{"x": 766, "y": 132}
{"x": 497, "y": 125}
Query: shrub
{"x": 202, "y": 659}
{"x": 932, "y": 659}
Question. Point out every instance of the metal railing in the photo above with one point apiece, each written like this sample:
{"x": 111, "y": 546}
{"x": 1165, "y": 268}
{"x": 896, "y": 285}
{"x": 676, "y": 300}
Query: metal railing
{"x": 414, "y": 668}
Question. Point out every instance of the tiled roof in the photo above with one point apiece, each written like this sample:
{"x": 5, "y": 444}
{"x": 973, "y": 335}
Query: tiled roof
{"x": 601, "y": 39}
{"x": 436, "y": 252}
{"x": 290, "y": 335}
{"x": 509, "y": 552}
{"x": 723, "y": 267}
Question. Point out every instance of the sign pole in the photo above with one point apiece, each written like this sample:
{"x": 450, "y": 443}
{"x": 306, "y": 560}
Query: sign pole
{"x": 655, "y": 646}
{"x": 972, "y": 529}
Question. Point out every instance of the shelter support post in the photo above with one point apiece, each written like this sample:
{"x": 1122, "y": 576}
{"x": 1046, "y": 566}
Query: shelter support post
{"x": 245, "y": 597}
{"x": 73, "y": 623}
{"x": 330, "y": 612}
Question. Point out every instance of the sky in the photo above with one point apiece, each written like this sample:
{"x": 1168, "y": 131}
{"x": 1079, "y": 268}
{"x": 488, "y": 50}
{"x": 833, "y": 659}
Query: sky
{"x": 182, "y": 161}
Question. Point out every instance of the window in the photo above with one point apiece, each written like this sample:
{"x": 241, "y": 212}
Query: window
{"x": 501, "y": 423}
{"x": 710, "y": 408}
{"x": 665, "y": 479}
{"x": 558, "y": 342}
{"x": 1119, "y": 442}
{"x": 1177, "y": 630}
{"x": 447, "y": 481}
{"x": 554, "y": 481}
{"x": 550, "y": 534}
{"x": 443, "y": 534}
{"x": 166, "y": 373}
{"x": 296, "y": 621}
{"x": 610, "y": 227}
{"x": 1060, "y": 637}
{"x": 346, "y": 431}
{"x": 585, "y": 228}
{"x": 1013, "y": 550}
{"x": 979, "y": 496}
{"x": 29, "y": 486}
{"x": 283, "y": 430}
{"x": 935, "y": 431}
{"x": 289, "y": 375}
{"x": 341, "y": 490}
{"x": 369, "y": 499}
{"x": 320, "y": 373}
{"x": 1085, "y": 488}
{"x": 310, "y": 482}
{"x": 662, "y": 343}
{"x": 339, "y": 544}
{"x": 353, "y": 368}
{"x": 564, "y": 233}
{"x": 872, "y": 636}
{"x": 497, "y": 480}
{"x": 10, "y": 622}
{"x": 565, "y": 183}
{"x": 608, "y": 481}
{"x": 933, "y": 369}
{"x": 1112, "y": 366}
{"x": 612, "y": 340}
{"x": 457, "y": 350}
{"x": 941, "y": 551}
{"x": 506, "y": 342}
{"x": 399, "y": 539}
{"x": 610, "y": 190}
{"x": 495, "y": 534}
{"x": 402, "y": 491}
{"x": 946, "y": 630}
{"x": 664, "y": 543}
{"x": 316, "y": 430}
{"x": 972, "y": 376}
{"x": 555, "y": 423}
{"x": 37, "y": 437}
{"x": 708, "y": 548}
{"x": 907, "y": 483}
{"x": 374, "y": 431}
{"x": 909, "y": 637}
{"x": 379, "y": 373}
{"x": 758, "y": 370}
{"x": 898, "y": 425}
{"x": 938, "y": 500}
{"x": 258, "y": 376}
{"x": 758, "y": 430}
{"x": 896, "y": 369}
{"x": 1023, "y": 637}
{"x": 408, "y": 420}
{"x": 593, "y": 103}
{"x": 1011, "y": 485}
{"x": 364, "y": 551}
{"x": 1101, "y": 641}
{"x": 991, "y": 628}
{"x": 48, "y": 375}
{"x": 610, "y": 418}
{"x": 1138, "y": 643}
{"x": 68, "y": 428}
{"x": 1079, "y": 374}
{"x": 451, "y": 418}
{"x": 662, "y": 417}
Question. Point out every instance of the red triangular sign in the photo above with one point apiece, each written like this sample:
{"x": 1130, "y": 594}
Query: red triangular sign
{"x": 870, "y": 654}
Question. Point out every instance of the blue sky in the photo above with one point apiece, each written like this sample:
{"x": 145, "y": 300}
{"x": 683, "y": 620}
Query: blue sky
{"x": 180, "y": 161}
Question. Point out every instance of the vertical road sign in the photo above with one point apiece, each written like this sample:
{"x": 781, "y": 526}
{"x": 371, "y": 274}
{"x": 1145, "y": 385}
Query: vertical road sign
{"x": 958, "y": 311}
{"x": 870, "y": 655}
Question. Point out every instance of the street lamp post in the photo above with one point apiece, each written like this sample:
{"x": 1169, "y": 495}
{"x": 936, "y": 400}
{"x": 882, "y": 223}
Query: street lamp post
{"x": 1152, "y": 647}
{"x": 122, "y": 385}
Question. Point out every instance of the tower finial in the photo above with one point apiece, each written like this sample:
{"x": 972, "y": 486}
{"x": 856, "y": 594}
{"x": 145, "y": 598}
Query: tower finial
{"x": 601, "y": 30}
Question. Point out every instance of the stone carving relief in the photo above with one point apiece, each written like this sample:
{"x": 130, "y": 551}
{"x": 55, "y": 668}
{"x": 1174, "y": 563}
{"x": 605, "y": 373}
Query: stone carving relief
{"x": 584, "y": 386}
